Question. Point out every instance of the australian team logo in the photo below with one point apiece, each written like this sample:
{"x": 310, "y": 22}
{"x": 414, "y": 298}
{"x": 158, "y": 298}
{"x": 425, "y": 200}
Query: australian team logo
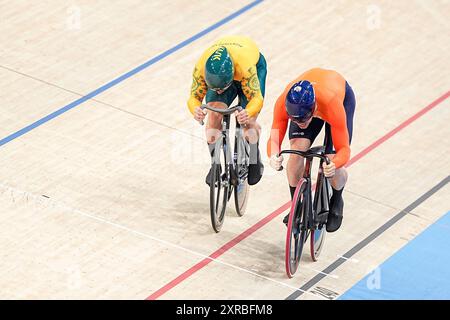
{"x": 218, "y": 54}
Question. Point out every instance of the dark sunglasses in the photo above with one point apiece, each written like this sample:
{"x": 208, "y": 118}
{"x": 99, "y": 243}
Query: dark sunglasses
{"x": 222, "y": 89}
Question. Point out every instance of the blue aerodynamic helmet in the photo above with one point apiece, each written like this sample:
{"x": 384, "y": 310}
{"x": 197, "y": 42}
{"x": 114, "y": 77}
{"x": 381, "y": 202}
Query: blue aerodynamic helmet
{"x": 300, "y": 101}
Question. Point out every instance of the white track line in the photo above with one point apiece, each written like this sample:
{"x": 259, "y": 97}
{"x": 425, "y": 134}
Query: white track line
{"x": 16, "y": 194}
{"x": 348, "y": 259}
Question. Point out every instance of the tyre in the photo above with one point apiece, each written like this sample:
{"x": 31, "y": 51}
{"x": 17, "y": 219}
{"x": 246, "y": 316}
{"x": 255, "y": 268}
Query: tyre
{"x": 219, "y": 189}
{"x": 297, "y": 231}
{"x": 241, "y": 193}
{"x": 317, "y": 239}
{"x": 242, "y": 188}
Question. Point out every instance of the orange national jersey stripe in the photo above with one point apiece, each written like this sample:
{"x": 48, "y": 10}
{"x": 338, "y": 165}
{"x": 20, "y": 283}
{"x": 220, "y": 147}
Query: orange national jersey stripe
{"x": 329, "y": 87}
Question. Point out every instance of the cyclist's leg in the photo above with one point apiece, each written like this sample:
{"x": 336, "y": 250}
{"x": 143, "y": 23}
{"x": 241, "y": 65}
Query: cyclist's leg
{"x": 296, "y": 164}
{"x": 301, "y": 140}
{"x": 341, "y": 175}
{"x": 214, "y": 120}
{"x": 337, "y": 182}
{"x": 252, "y": 131}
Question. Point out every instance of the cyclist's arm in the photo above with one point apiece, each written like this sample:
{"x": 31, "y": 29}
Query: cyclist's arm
{"x": 279, "y": 126}
{"x": 252, "y": 90}
{"x": 198, "y": 90}
{"x": 339, "y": 133}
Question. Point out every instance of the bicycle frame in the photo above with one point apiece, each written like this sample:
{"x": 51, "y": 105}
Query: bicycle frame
{"x": 226, "y": 144}
{"x": 321, "y": 187}
{"x": 321, "y": 198}
{"x": 238, "y": 156}
{"x": 303, "y": 218}
{"x": 234, "y": 166}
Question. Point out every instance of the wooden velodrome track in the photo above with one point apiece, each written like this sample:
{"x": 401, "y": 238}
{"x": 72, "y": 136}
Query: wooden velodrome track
{"x": 102, "y": 168}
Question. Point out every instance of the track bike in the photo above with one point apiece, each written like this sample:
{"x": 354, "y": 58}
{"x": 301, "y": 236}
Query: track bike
{"x": 229, "y": 170}
{"x": 307, "y": 216}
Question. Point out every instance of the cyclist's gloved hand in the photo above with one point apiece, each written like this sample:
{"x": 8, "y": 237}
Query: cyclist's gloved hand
{"x": 242, "y": 117}
{"x": 329, "y": 169}
{"x": 199, "y": 114}
{"x": 276, "y": 162}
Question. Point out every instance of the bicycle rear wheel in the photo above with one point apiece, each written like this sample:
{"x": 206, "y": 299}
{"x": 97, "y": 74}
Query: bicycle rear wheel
{"x": 219, "y": 189}
{"x": 297, "y": 231}
{"x": 241, "y": 190}
{"x": 241, "y": 193}
{"x": 321, "y": 208}
{"x": 316, "y": 242}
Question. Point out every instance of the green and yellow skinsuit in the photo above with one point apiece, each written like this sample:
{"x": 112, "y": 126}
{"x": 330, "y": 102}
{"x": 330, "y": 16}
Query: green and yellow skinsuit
{"x": 249, "y": 76}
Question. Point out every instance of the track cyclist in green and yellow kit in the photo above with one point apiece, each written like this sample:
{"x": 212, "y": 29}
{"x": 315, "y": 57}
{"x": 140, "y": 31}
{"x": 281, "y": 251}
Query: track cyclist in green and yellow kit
{"x": 231, "y": 67}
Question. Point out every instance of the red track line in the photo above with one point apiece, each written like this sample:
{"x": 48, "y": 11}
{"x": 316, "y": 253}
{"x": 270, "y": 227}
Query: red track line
{"x": 285, "y": 206}
{"x": 397, "y": 129}
{"x": 218, "y": 252}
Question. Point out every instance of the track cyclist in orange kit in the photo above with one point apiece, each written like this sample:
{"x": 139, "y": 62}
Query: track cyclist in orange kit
{"x": 232, "y": 67}
{"x": 316, "y": 97}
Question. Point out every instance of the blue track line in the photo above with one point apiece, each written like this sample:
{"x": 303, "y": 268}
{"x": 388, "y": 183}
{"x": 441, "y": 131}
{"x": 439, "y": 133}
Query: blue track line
{"x": 419, "y": 270}
{"x": 127, "y": 75}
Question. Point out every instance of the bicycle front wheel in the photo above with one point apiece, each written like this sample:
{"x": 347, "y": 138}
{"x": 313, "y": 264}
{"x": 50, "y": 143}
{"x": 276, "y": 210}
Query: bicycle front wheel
{"x": 297, "y": 230}
{"x": 219, "y": 189}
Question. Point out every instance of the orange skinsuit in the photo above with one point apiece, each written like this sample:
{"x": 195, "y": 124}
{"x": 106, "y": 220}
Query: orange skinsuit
{"x": 329, "y": 88}
{"x": 245, "y": 55}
